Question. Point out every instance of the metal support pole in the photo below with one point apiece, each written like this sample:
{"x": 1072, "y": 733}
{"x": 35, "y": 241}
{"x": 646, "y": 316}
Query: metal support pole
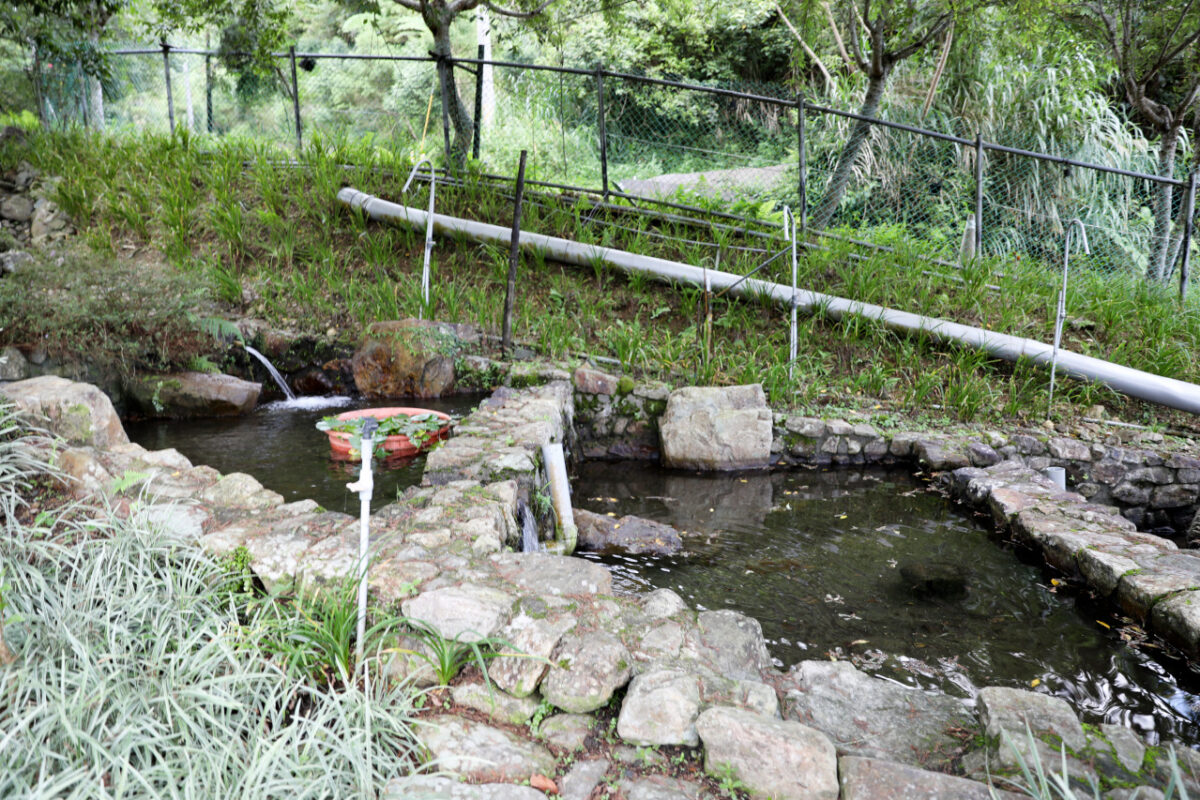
{"x": 1189, "y": 222}
{"x": 603, "y": 131}
{"x": 38, "y": 95}
{"x": 978, "y": 194}
{"x": 166, "y": 51}
{"x": 208, "y": 108}
{"x": 802, "y": 158}
{"x": 476, "y": 139}
{"x": 296, "y": 100}
{"x": 510, "y": 292}
{"x": 793, "y": 339}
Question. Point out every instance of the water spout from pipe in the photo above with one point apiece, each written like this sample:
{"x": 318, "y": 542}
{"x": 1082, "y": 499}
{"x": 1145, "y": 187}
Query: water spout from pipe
{"x": 287, "y": 390}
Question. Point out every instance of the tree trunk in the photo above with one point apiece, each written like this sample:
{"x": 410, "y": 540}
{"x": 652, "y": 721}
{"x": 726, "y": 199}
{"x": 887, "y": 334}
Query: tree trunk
{"x": 1157, "y": 268}
{"x": 460, "y": 118}
{"x": 845, "y": 166}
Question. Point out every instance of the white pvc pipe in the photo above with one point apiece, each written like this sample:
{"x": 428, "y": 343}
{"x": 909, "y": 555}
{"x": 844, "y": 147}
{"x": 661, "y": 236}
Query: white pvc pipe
{"x": 560, "y": 495}
{"x": 365, "y": 486}
{"x": 1135, "y": 383}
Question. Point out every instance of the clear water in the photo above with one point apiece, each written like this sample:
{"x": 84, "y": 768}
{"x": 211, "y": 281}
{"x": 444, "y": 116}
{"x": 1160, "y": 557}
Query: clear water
{"x": 279, "y": 445}
{"x": 819, "y": 558}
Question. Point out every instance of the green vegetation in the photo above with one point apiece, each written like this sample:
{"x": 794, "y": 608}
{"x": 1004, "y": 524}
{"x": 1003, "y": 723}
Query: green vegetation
{"x": 271, "y": 241}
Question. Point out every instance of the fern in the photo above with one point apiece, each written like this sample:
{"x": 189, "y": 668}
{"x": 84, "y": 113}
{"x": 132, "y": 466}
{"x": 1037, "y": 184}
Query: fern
{"x": 220, "y": 329}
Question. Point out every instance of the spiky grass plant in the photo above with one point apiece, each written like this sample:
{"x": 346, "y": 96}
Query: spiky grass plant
{"x": 139, "y": 673}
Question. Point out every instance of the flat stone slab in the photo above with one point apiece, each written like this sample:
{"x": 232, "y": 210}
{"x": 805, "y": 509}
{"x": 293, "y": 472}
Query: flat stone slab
{"x": 775, "y": 758}
{"x": 660, "y": 708}
{"x": 728, "y": 643}
{"x": 535, "y": 637}
{"x": 567, "y": 731}
{"x": 866, "y": 716}
{"x": 1012, "y": 712}
{"x": 469, "y": 613}
{"x": 587, "y": 669}
{"x": 873, "y": 779}
{"x": 662, "y": 787}
{"x": 582, "y": 778}
{"x": 497, "y": 704}
{"x": 629, "y": 534}
{"x": 481, "y": 753}
{"x": 439, "y": 787}
{"x": 557, "y": 575}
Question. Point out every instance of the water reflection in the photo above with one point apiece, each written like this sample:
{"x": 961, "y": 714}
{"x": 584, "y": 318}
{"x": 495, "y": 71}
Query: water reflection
{"x": 870, "y": 567}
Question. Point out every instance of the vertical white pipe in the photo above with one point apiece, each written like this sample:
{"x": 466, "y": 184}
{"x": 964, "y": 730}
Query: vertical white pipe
{"x": 793, "y": 341}
{"x": 364, "y": 486}
{"x": 560, "y": 495}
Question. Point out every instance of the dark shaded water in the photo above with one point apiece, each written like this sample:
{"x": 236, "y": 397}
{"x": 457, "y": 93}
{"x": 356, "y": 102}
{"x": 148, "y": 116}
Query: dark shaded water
{"x": 821, "y": 558}
{"x": 279, "y": 445}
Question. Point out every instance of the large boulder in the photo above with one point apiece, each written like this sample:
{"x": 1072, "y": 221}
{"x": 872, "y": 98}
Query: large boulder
{"x": 629, "y": 534}
{"x": 710, "y": 428}
{"x": 193, "y": 394}
{"x": 78, "y": 412}
{"x": 406, "y": 358}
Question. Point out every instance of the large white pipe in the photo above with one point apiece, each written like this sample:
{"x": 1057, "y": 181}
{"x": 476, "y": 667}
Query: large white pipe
{"x": 1135, "y": 383}
{"x": 560, "y": 495}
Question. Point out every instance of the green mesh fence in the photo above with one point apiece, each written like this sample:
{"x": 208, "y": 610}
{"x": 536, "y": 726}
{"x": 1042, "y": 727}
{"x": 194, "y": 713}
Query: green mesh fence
{"x": 735, "y": 146}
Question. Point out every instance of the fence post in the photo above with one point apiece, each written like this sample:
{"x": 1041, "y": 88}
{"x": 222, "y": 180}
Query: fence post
{"x": 208, "y": 111}
{"x": 445, "y": 75}
{"x": 478, "y": 132}
{"x": 1188, "y": 223}
{"x": 296, "y": 99}
{"x": 510, "y": 291}
{"x": 802, "y": 158}
{"x": 603, "y": 131}
{"x": 978, "y": 194}
{"x": 166, "y": 51}
{"x": 36, "y": 77}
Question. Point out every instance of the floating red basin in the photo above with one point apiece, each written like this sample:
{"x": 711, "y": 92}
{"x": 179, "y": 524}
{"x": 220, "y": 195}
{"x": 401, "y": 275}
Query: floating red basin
{"x": 394, "y": 446}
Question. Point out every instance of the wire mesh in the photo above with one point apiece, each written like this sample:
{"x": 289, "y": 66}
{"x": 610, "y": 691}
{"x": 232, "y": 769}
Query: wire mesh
{"x": 735, "y": 145}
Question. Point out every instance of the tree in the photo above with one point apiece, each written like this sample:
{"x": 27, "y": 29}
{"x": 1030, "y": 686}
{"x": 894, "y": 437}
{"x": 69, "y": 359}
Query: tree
{"x": 438, "y": 16}
{"x": 893, "y": 31}
{"x": 1155, "y": 48}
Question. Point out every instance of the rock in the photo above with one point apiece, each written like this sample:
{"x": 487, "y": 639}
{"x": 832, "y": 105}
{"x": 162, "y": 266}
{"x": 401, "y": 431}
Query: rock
{"x": 783, "y": 760}
{"x": 14, "y": 260}
{"x": 193, "y": 394}
{"x": 583, "y": 778}
{"x": 78, "y": 412}
{"x": 593, "y": 381}
{"x": 468, "y": 613}
{"x": 536, "y": 638}
{"x": 629, "y": 534}
{"x": 497, "y": 704}
{"x": 661, "y": 603}
{"x": 716, "y": 428}
{"x": 939, "y": 579}
{"x": 17, "y": 207}
{"x": 554, "y": 575}
{"x": 1010, "y": 713}
{"x": 872, "y": 779}
{"x": 587, "y": 669}
{"x": 938, "y": 455}
{"x": 729, "y": 644}
{"x": 1127, "y": 748}
{"x": 1069, "y": 449}
{"x": 13, "y": 366}
{"x": 661, "y": 787}
{"x": 660, "y": 708}
{"x": 981, "y": 455}
{"x": 48, "y": 223}
{"x": 441, "y": 787}
{"x": 567, "y": 731}
{"x": 239, "y": 490}
{"x": 481, "y": 753}
{"x": 866, "y": 716}
{"x": 406, "y": 358}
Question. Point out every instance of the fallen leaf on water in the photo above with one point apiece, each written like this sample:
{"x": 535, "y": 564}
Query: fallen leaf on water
{"x": 1105, "y": 624}
{"x": 858, "y": 641}
{"x": 841, "y": 516}
{"x": 1035, "y": 682}
{"x": 543, "y": 784}
{"x": 609, "y": 514}
{"x": 1055, "y": 582}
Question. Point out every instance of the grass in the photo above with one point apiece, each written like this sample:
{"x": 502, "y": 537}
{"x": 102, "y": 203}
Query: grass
{"x": 141, "y": 670}
{"x": 243, "y": 225}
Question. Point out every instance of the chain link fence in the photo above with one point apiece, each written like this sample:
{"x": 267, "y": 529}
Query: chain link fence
{"x": 746, "y": 148}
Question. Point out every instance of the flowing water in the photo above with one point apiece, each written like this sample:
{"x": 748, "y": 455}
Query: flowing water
{"x": 287, "y": 390}
{"x": 280, "y": 446}
{"x": 839, "y": 564}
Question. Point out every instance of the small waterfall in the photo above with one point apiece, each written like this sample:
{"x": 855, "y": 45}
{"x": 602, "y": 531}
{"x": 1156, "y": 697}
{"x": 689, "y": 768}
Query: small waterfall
{"x": 529, "y": 535}
{"x": 287, "y": 390}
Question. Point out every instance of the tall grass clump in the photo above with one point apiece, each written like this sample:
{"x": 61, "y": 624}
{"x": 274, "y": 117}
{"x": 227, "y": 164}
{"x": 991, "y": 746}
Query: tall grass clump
{"x": 141, "y": 670}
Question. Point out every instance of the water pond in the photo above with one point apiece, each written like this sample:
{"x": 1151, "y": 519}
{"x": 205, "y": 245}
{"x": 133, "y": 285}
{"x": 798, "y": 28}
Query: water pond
{"x": 873, "y": 567}
{"x": 280, "y": 446}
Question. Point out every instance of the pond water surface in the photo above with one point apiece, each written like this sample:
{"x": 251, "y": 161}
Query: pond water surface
{"x": 280, "y": 446}
{"x": 832, "y": 565}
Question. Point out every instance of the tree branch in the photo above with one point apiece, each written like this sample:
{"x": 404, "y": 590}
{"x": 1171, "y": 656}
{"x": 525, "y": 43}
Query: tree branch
{"x": 509, "y": 12}
{"x": 808, "y": 50}
{"x": 411, "y": 5}
{"x": 837, "y": 38}
{"x": 935, "y": 29}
